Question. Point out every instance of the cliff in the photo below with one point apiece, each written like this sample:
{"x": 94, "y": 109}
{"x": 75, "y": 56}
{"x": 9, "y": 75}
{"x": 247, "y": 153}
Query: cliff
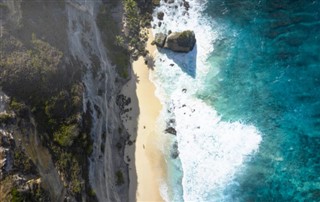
{"x": 62, "y": 82}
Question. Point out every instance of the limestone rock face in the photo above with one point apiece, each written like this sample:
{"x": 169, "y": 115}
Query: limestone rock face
{"x": 181, "y": 41}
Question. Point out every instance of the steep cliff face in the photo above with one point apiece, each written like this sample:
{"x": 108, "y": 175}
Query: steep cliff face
{"x": 100, "y": 98}
{"x": 70, "y": 26}
{"x": 26, "y": 133}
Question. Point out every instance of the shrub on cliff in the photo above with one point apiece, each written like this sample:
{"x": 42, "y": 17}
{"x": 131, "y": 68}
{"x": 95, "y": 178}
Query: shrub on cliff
{"x": 110, "y": 31}
{"x": 132, "y": 18}
{"x": 119, "y": 178}
{"x": 66, "y": 135}
{"x": 44, "y": 86}
{"x": 6, "y": 118}
{"x": 25, "y": 73}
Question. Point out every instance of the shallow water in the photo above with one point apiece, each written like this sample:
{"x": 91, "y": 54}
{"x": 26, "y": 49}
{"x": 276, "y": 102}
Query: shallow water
{"x": 248, "y": 125}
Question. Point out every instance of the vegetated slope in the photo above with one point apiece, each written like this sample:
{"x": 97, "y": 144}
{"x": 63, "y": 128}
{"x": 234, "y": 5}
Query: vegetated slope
{"x": 60, "y": 130}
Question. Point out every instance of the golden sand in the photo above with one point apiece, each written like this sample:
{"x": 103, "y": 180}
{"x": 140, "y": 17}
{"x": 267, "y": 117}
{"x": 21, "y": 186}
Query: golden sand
{"x": 146, "y": 165}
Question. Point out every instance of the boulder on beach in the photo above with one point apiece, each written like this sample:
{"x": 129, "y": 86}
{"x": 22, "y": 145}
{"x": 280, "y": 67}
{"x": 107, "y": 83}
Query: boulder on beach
{"x": 181, "y": 41}
{"x": 171, "y": 130}
{"x": 159, "y": 40}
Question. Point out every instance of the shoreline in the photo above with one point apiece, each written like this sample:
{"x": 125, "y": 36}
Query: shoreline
{"x": 145, "y": 160}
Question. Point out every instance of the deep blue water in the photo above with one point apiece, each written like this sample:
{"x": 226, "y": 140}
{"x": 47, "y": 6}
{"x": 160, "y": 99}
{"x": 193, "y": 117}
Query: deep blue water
{"x": 269, "y": 76}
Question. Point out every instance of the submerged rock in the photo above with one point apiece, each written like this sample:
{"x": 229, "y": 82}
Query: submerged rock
{"x": 181, "y": 41}
{"x": 175, "y": 151}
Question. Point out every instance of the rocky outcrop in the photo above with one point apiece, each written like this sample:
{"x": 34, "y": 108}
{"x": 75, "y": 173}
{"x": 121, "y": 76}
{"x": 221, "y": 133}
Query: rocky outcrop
{"x": 26, "y": 132}
{"x": 6, "y": 162}
{"x": 156, "y": 2}
{"x": 175, "y": 150}
{"x": 159, "y": 40}
{"x": 176, "y": 41}
{"x": 171, "y": 130}
{"x": 181, "y": 41}
{"x": 160, "y": 15}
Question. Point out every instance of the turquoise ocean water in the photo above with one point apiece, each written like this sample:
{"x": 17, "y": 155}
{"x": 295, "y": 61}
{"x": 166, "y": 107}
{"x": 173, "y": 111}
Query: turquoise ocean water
{"x": 245, "y": 102}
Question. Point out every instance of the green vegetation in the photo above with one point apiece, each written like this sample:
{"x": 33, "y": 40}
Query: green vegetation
{"x": 91, "y": 192}
{"x": 3, "y": 6}
{"x": 16, "y": 106}
{"x": 38, "y": 194}
{"x": 16, "y": 196}
{"x": 58, "y": 107}
{"x": 117, "y": 54}
{"x": 76, "y": 185}
{"x": 6, "y": 118}
{"x": 132, "y": 19}
{"x": 36, "y": 80}
{"x": 184, "y": 37}
{"x": 134, "y": 22}
{"x": 40, "y": 83}
{"x": 120, "y": 47}
{"x": 120, "y": 41}
{"x": 66, "y": 134}
{"x": 21, "y": 162}
{"x": 71, "y": 169}
{"x": 119, "y": 178}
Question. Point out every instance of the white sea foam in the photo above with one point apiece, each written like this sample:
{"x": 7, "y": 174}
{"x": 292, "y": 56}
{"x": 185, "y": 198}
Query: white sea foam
{"x": 211, "y": 150}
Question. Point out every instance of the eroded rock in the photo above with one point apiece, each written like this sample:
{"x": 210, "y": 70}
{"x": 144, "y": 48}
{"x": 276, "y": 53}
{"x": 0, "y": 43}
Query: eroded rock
{"x": 160, "y": 15}
{"x": 180, "y": 41}
{"x": 171, "y": 130}
{"x": 160, "y": 40}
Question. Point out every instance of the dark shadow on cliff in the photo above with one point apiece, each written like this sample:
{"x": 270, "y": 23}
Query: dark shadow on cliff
{"x": 186, "y": 61}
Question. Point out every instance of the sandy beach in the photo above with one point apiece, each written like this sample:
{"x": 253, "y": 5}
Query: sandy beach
{"x": 146, "y": 163}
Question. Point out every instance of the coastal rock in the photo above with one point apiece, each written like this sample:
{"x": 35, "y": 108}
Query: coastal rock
{"x": 160, "y": 15}
{"x": 156, "y": 2}
{"x": 159, "y": 40}
{"x": 181, "y": 41}
{"x": 175, "y": 151}
{"x": 186, "y": 5}
{"x": 174, "y": 154}
{"x": 171, "y": 130}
